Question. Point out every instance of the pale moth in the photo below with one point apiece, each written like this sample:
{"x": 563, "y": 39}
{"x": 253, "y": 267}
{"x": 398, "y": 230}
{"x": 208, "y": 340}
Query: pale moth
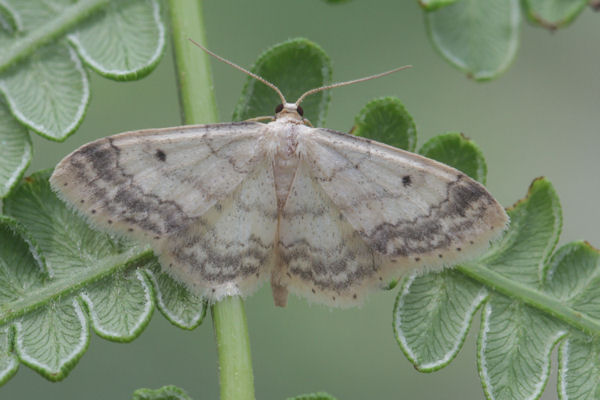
{"x": 326, "y": 215}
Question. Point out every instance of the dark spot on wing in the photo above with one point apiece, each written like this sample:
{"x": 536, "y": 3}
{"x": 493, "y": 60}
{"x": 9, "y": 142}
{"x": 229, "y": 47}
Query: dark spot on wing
{"x": 406, "y": 180}
{"x": 161, "y": 155}
{"x": 464, "y": 204}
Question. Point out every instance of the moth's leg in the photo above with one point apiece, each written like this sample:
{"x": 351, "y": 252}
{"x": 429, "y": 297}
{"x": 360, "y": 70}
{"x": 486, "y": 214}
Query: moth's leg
{"x": 257, "y": 119}
{"x": 306, "y": 122}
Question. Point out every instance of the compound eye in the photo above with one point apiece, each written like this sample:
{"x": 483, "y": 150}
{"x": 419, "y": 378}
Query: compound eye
{"x": 278, "y": 109}
{"x": 300, "y": 111}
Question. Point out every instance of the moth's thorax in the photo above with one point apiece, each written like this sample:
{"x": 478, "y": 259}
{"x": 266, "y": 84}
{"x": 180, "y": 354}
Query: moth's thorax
{"x": 284, "y": 133}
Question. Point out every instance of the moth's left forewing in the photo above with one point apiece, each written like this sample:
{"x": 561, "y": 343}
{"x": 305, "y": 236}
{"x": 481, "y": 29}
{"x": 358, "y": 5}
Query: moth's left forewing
{"x": 149, "y": 184}
{"x": 415, "y": 212}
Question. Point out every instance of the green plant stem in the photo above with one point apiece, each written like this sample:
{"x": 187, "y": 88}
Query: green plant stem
{"x": 192, "y": 64}
{"x": 535, "y": 298}
{"x": 233, "y": 347}
{"x": 68, "y": 18}
{"x": 198, "y": 105}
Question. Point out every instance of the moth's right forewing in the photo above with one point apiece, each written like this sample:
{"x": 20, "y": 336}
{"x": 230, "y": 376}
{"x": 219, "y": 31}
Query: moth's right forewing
{"x": 152, "y": 183}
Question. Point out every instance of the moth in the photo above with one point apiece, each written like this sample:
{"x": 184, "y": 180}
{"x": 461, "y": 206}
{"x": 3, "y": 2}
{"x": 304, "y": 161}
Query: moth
{"x": 323, "y": 214}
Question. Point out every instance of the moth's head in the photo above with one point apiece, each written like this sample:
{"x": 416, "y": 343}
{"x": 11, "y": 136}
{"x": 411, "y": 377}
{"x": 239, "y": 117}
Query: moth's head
{"x": 289, "y": 111}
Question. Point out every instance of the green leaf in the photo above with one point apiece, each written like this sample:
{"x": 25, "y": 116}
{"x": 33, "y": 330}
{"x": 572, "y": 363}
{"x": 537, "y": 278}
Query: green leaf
{"x": 573, "y": 276}
{"x": 535, "y": 300}
{"x": 132, "y": 42}
{"x": 553, "y": 14}
{"x": 49, "y": 92}
{"x": 514, "y": 359}
{"x": 431, "y": 5}
{"x": 458, "y": 151}
{"x": 42, "y": 76}
{"x": 535, "y": 225}
{"x": 15, "y": 151}
{"x": 578, "y": 368}
{"x": 58, "y": 275}
{"x": 120, "y": 305}
{"x": 68, "y": 243}
{"x": 8, "y": 23}
{"x": 578, "y": 287}
{"x": 177, "y": 304}
{"x": 164, "y": 393}
{"x": 21, "y": 272}
{"x": 386, "y": 120}
{"x": 9, "y": 363}
{"x": 432, "y": 316}
{"x": 295, "y": 67}
{"x": 313, "y": 396}
{"x": 51, "y": 339}
{"x": 480, "y": 37}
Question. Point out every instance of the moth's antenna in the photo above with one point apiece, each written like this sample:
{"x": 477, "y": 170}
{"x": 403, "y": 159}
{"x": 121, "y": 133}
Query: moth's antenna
{"x": 338, "y": 84}
{"x": 244, "y": 70}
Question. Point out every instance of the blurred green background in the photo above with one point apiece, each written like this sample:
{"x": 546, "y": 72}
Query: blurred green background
{"x": 542, "y": 117}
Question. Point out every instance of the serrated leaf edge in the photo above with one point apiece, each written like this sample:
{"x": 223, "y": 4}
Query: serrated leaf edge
{"x": 485, "y": 380}
{"x": 140, "y": 323}
{"x": 387, "y": 100}
{"x": 552, "y": 26}
{"x": 70, "y": 129}
{"x": 19, "y": 171}
{"x": 10, "y": 370}
{"x": 174, "y": 319}
{"x": 449, "y": 356}
{"x": 14, "y": 15}
{"x": 481, "y": 166}
{"x": 124, "y": 74}
{"x": 563, "y": 370}
{"x": 18, "y": 229}
{"x": 70, "y": 360}
{"x": 13, "y": 365}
